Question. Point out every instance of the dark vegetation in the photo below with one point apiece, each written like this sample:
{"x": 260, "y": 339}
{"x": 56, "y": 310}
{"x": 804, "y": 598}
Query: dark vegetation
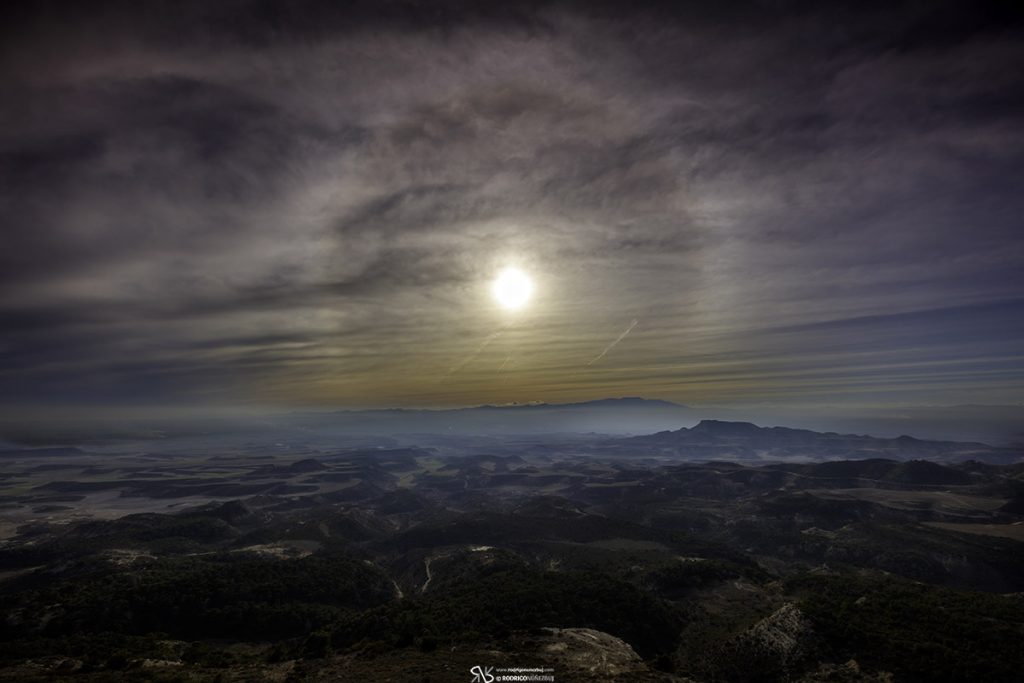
{"x": 221, "y": 596}
{"x": 916, "y": 631}
{"x": 493, "y": 606}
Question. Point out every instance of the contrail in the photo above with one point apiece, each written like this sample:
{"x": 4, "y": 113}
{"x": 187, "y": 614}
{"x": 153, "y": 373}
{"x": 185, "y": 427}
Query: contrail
{"x": 617, "y": 340}
{"x": 483, "y": 345}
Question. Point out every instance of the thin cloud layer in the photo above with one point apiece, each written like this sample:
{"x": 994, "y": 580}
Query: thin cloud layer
{"x": 303, "y": 203}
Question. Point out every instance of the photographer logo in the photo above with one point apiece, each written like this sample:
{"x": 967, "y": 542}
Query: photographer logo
{"x": 482, "y": 675}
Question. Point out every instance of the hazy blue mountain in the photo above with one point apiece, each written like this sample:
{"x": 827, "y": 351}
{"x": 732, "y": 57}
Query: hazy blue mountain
{"x": 722, "y": 440}
{"x": 627, "y": 415}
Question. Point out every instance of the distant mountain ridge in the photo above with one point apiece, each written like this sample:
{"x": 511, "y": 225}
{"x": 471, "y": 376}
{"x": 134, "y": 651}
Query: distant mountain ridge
{"x": 620, "y": 417}
{"x": 744, "y": 441}
{"x": 623, "y": 415}
{"x": 620, "y": 402}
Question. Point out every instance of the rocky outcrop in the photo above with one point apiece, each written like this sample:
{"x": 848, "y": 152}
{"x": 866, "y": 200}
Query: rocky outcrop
{"x": 776, "y": 647}
{"x": 585, "y": 654}
{"x": 785, "y": 635}
{"x": 587, "y": 650}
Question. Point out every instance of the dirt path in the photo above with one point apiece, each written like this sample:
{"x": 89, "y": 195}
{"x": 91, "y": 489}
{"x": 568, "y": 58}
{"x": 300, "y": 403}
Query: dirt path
{"x": 426, "y": 564}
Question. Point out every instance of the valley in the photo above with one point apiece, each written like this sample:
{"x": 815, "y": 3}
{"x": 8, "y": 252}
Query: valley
{"x": 300, "y": 560}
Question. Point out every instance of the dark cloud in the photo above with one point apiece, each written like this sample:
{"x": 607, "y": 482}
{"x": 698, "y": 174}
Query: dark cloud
{"x": 304, "y": 202}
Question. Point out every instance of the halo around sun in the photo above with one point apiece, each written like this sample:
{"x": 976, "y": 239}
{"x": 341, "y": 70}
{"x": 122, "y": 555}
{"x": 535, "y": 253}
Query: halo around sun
{"x": 512, "y": 289}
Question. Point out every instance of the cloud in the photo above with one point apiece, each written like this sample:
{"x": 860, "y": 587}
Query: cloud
{"x": 304, "y": 202}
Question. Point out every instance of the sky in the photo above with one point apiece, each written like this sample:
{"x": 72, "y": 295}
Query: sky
{"x": 304, "y": 204}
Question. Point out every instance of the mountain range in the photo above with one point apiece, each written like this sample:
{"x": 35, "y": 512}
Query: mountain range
{"x": 745, "y": 441}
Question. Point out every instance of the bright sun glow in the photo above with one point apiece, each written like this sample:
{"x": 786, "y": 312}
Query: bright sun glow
{"x": 512, "y": 288}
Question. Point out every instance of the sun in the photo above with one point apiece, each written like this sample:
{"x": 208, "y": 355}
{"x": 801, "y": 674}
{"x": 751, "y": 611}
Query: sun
{"x": 512, "y": 288}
